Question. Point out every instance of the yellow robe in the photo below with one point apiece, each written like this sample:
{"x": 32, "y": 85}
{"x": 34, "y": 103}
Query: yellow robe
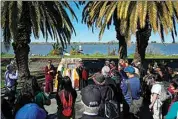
{"x": 75, "y": 78}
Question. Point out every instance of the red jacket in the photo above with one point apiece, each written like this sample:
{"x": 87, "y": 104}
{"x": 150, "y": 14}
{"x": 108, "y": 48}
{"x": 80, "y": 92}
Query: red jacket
{"x": 49, "y": 76}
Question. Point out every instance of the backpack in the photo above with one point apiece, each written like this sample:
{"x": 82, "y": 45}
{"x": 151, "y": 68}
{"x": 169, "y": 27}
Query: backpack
{"x": 111, "y": 108}
{"x": 67, "y": 105}
{"x": 165, "y": 94}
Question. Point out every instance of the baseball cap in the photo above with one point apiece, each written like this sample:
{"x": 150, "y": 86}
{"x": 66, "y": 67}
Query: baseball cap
{"x": 91, "y": 96}
{"x": 31, "y": 111}
{"x": 129, "y": 69}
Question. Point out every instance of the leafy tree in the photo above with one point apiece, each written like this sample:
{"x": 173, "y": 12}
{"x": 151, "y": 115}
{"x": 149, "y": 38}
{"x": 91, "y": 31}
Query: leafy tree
{"x": 20, "y": 18}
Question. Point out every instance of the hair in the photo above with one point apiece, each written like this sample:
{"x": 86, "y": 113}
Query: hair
{"x": 157, "y": 77}
{"x": 175, "y": 82}
{"x": 66, "y": 85}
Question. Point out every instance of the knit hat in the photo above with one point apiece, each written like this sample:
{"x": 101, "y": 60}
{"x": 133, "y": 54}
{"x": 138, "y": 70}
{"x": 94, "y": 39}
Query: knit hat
{"x": 91, "y": 96}
{"x": 129, "y": 69}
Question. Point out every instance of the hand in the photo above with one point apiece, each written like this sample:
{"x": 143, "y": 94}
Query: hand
{"x": 150, "y": 106}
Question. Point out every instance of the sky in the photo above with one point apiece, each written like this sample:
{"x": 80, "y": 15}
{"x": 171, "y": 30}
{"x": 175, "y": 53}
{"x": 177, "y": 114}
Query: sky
{"x": 83, "y": 34}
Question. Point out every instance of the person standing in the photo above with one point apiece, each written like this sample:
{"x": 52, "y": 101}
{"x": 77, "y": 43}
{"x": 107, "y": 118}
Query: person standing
{"x": 66, "y": 100}
{"x": 11, "y": 82}
{"x": 49, "y": 76}
{"x": 91, "y": 100}
{"x": 106, "y": 69}
{"x": 156, "y": 104}
{"x": 83, "y": 75}
{"x": 131, "y": 90}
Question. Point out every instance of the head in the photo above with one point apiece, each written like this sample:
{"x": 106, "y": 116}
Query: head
{"x": 66, "y": 83}
{"x": 99, "y": 79}
{"x": 150, "y": 70}
{"x": 35, "y": 86}
{"x": 157, "y": 77}
{"x": 112, "y": 64}
{"x": 126, "y": 62}
{"x": 173, "y": 85}
{"x": 107, "y": 63}
{"x": 119, "y": 67}
{"x": 91, "y": 98}
{"x": 130, "y": 71}
{"x": 9, "y": 68}
{"x": 49, "y": 62}
{"x": 80, "y": 63}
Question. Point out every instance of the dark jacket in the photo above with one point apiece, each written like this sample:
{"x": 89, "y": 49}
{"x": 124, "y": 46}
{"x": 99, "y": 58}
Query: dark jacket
{"x": 107, "y": 94}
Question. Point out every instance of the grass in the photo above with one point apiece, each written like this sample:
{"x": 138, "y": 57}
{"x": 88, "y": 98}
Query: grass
{"x": 97, "y": 55}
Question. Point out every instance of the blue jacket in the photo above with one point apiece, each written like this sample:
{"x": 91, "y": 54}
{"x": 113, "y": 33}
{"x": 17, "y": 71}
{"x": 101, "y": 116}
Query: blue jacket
{"x": 135, "y": 89}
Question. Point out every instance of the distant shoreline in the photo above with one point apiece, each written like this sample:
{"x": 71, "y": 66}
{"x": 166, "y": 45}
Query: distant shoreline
{"x": 89, "y": 43}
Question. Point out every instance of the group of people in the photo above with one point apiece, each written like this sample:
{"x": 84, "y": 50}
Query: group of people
{"x": 118, "y": 91}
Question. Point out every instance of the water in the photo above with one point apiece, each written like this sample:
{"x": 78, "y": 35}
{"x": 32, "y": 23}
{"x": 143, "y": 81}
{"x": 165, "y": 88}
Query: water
{"x": 44, "y": 49}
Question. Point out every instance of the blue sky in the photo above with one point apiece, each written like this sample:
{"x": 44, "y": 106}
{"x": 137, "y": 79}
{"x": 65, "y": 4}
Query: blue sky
{"x": 85, "y": 35}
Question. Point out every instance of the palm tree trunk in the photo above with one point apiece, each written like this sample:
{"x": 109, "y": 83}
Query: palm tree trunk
{"x": 122, "y": 46}
{"x": 122, "y": 51}
{"x": 142, "y": 38}
{"x": 20, "y": 45}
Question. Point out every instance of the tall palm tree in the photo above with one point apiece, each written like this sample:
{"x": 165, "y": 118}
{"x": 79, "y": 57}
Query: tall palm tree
{"x": 134, "y": 17}
{"x": 101, "y": 14}
{"x": 20, "y": 18}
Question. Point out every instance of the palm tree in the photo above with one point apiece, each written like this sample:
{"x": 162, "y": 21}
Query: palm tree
{"x": 20, "y": 18}
{"x": 133, "y": 17}
{"x": 101, "y": 14}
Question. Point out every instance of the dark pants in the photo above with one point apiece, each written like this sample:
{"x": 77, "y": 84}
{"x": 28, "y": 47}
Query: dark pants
{"x": 10, "y": 93}
{"x": 82, "y": 83}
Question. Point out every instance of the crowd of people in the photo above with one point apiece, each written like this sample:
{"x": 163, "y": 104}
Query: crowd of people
{"x": 117, "y": 91}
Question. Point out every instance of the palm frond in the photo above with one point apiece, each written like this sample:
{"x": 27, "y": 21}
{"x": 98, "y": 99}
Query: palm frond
{"x": 13, "y": 18}
{"x": 109, "y": 13}
{"x": 101, "y": 13}
{"x": 169, "y": 6}
{"x": 134, "y": 19}
{"x": 142, "y": 13}
{"x": 162, "y": 32}
{"x": 174, "y": 24}
{"x": 175, "y": 5}
{"x": 5, "y": 24}
{"x": 152, "y": 12}
{"x": 35, "y": 18}
{"x": 173, "y": 38}
{"x": 126, "y": 9}
{"x": 65, "y": 3}
{"x": 119, "y": 5}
